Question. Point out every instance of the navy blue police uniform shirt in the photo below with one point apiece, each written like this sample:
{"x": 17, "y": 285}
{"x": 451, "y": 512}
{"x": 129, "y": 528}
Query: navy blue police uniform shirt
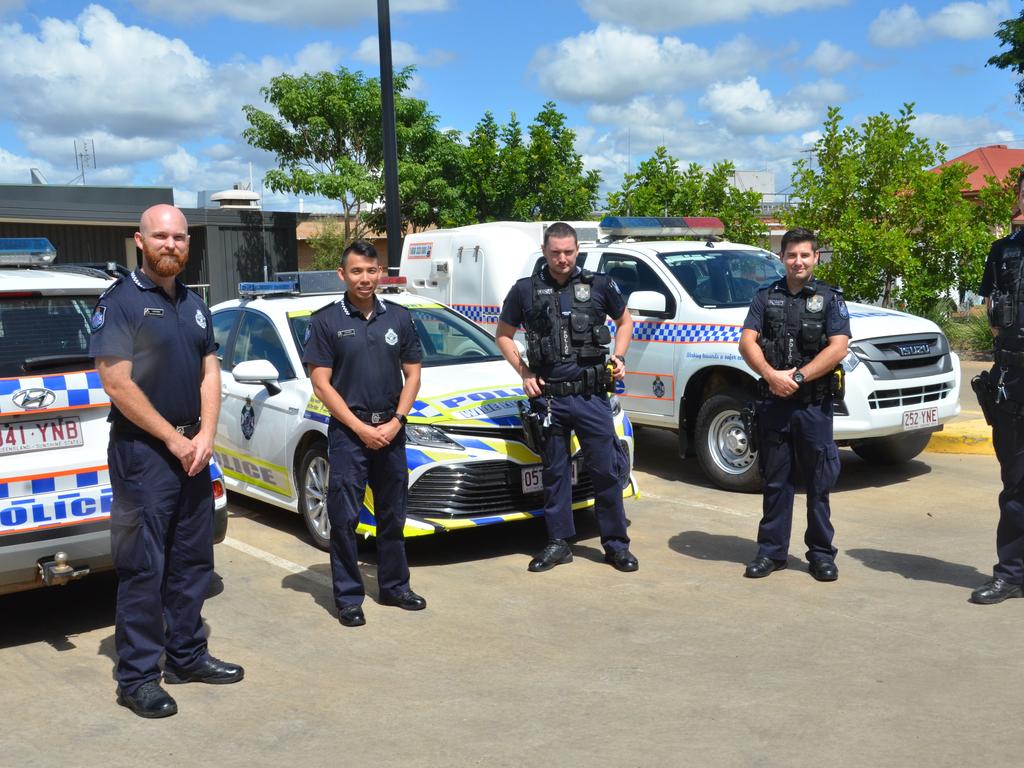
{"x": 165, "y": 339}
{"x": 607, "y": 299}
{"x": 365, "y": 356}
{"x": 837, "y": 316}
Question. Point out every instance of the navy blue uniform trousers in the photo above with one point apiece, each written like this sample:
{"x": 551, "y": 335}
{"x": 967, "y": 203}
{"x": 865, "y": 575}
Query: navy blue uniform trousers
{"x": 352, "y": 465}
{"x": 161, "y": 536}
{"x": 1008, "y": 441}
{"x": 590, "y": 416}
{"x": 796, "y": 437}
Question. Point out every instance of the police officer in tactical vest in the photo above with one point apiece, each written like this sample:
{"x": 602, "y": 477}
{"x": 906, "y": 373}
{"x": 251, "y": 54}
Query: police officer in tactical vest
{"x": 568, "y": 380}
{"x": 795, "y": 335}
{"x": 1001, "y": 393}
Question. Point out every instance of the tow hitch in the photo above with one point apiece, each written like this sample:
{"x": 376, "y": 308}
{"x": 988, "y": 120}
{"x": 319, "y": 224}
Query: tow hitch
{"x": 60, "y": 571}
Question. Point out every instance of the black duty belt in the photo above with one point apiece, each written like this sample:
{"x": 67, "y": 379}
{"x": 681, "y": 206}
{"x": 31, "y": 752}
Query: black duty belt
{"x": 373, "y": 417}
{"x": 1009, "y": 359}
{"x": 130, "y": 428}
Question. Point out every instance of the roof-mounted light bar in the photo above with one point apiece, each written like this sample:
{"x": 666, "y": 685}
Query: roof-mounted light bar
{"x": 661, "y": 226}
{"x": 392, "y": 284}
{"x": 26, "y": 251}
{"x": 269, "y": 288}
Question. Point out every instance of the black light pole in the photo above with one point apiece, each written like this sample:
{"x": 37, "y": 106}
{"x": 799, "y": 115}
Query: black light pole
{"x": 392, "y": 205}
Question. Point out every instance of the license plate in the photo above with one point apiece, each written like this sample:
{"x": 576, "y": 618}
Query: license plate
{"x": 39, "y": 434}
{"x": 533, "y": 481}
{"x": 919, "y": 419}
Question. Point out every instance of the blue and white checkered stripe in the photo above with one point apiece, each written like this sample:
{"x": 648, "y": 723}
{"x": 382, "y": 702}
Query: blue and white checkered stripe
{"x": 78, "y": 389}
{"x": 686, "y": 333}
{"x": 13, "y": 489}
{"x": 479, "y": 314}
{"x": 424, "y": 410}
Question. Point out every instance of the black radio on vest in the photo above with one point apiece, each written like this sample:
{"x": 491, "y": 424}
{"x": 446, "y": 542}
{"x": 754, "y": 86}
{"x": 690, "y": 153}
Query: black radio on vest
{"x": 552, "y": 337}
{"x": 1006, "y": 299}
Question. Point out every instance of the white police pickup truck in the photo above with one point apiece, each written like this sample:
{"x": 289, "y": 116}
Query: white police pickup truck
{"x": 688, "y": 298}
{"x": 54, "y": 485}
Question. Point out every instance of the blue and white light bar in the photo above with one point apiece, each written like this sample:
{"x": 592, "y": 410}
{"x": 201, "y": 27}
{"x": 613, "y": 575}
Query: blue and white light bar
{"x": 269, "y": 288}
{"x": 661, "y": 226}
{"x": 23, "y": 251}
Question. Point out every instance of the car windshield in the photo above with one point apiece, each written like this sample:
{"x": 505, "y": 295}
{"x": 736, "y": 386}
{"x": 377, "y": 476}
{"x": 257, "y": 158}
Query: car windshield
{"x": 721, "y": 278}
{"x": 44, "y": 333}
{"x": 446, "y": 337}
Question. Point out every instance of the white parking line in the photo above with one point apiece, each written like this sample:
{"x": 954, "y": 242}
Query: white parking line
{"x": 280, "y": 562}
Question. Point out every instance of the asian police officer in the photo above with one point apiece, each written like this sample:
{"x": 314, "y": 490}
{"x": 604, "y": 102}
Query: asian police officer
{"x": 795, "y": 335}
{"x": 364, "y": 361}
{"x": 563, "y": 310}
{"x": 153, "y": 342}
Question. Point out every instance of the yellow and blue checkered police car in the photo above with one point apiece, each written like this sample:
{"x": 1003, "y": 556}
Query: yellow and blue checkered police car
{"x": 54, "y": 486}
{"x": 468, "y": 461}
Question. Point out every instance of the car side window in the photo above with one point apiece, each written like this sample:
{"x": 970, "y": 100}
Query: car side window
{"x": 223, "y": 323}
{"x": 632, "y": 275}
{"x": 257, "y": 339}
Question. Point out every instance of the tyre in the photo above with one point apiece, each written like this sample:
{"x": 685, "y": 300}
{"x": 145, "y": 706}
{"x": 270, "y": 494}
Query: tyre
{"x": 314, "y": 474}
{"x": 893, "y": 449}
{"x": 723, "y": 448}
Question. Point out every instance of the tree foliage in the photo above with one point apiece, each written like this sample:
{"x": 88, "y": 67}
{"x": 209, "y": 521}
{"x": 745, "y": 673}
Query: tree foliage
{"x": 328, "y": 244}
{"x": 659, "y": 188}
{"x": 899, "y": 233}
{"x": 1011, "y": 34}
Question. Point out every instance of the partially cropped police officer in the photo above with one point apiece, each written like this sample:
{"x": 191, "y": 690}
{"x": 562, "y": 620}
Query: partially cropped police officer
{"x": 795, "y": 336}
{"x": 364, "y": 360}
{"x": 1001, "y": 392}
{"x": 563, "y": 310}
{"x": 153, "y": 343}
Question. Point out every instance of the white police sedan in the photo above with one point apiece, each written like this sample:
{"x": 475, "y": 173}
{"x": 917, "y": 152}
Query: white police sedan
{"x": 468, "y": 462}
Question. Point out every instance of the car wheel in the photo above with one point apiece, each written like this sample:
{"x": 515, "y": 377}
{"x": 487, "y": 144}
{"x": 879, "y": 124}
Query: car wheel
{"x": 314, "y": 475}
{"x": 723, "y": 448}
{"x": 894, "y": 449}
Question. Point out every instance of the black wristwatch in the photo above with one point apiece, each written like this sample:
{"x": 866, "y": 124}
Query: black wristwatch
{"x": 798, "y": 377}
{"x": 620, "y": 358}
{"x": 402, "y": 418}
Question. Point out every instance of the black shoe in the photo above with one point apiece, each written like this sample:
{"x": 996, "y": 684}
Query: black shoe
{"x": 762, "y": 566}
{"x": 149, "y": 700}
{"x": 351, "y": 616}
{"x": 407, "y": 601}
{"x": 823, "y": 570}
{"x": 210, "y": 670}
{"x": 622, "y": 560}
{"x": 995, "y": 591}
{"x": 557, "y": 552}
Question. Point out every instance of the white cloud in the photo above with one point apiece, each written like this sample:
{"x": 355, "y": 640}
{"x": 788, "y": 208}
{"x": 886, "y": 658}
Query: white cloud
{"x": 672, "y": 14}
{"x": 179, "y": 166}
{"x": 14, "y": 169}
{"x": 613, "y": 64}
{"x": 829, "y": 58}
{"x": 747, "y": 108}
{"x": 904, "y": 27}
{"x": 959, "y": 132}
{"x": 109, "y": 149}
{"x": 402, "y": 54}
{"x": 297, "y": 13}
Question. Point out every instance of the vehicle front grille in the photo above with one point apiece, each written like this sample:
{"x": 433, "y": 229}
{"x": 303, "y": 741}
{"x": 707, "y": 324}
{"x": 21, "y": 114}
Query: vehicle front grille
{"x": 480, "y": 488}
{"x": 898, "y": 398}
{"x": 905, "y": 357}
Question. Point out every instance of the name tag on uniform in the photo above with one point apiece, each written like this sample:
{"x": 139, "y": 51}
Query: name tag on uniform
{"x": 152, "y": 312}
{"x": 346, "y": 332}
{"x": 776, "y": 302}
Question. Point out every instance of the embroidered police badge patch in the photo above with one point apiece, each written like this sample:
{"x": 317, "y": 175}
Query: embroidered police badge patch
{"x": 391, "y": 337}
{"x": 844, "y": 312}
{"x": 200, "y": 319}
{"x": 581, "y": 291}
{"x": 98, "y": 316}
{"x": 815, "y": 303}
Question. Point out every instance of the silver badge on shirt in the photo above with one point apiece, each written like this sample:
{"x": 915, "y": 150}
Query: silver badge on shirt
{"x": 815, "y": 303}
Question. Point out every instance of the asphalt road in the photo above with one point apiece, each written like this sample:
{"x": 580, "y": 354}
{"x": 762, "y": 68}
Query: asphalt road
{"x": 682, "y": 663}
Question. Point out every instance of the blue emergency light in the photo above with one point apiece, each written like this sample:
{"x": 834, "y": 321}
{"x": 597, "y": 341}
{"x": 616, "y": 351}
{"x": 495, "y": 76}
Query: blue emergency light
{"x": 26, "y": 250}
{"x": 661, "y": 226}
{"x": 269, "y": 288}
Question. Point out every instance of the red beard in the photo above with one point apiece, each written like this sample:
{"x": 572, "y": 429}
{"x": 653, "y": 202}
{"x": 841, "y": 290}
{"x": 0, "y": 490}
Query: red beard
{"x": 167, "y": 265}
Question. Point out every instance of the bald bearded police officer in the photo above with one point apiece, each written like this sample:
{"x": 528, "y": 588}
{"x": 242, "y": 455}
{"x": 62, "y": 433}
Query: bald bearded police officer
{"x": 563, "y": 310}
{"x": 153, "y": 342}
{"x": 795, "y": 335}
{"x": 1001, "y": 392}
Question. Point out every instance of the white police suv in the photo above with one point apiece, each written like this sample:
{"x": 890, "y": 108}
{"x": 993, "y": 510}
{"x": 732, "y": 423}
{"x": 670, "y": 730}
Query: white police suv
{"x": 468, "y": 462}
{"x": 54, "y": 486}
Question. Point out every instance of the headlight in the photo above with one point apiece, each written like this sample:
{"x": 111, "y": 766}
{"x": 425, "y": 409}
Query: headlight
{"x": 851, "y": 361}
{"x": 424, "y": 434}
{"x": 616, "y": 405}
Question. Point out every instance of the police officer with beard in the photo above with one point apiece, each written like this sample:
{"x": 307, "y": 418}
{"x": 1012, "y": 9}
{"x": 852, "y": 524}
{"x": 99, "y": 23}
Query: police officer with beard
{"x": 152, "y": 338}
{"x": 795, "y": 335}
{"x": 1001, "y": 393}
{"x": 563, "y": 310}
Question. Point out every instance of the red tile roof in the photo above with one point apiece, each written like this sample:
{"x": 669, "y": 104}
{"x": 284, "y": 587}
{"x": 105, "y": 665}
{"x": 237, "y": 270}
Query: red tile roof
{"x": 994, "y": 160}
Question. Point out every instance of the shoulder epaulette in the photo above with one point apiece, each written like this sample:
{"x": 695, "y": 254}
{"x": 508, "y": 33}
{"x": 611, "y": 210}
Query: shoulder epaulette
{"x": 110, "y": 287}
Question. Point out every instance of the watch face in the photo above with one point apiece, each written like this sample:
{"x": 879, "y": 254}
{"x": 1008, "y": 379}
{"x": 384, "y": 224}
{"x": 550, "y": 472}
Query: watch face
{"x": 798, "y": 378}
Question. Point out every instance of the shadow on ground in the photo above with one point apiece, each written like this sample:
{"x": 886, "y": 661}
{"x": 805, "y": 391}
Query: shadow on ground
{"x": 712, "y": 546}
{"x": 919, "y": 567}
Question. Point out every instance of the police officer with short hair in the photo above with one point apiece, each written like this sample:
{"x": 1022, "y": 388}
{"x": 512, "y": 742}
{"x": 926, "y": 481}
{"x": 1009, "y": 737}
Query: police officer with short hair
{"x": 563, "y": 310}
{"x": 795, "y": 336}
{"x": 153, "y": 342}
{"x": 1001, "y": 392}
{"x": 364, "y": 359}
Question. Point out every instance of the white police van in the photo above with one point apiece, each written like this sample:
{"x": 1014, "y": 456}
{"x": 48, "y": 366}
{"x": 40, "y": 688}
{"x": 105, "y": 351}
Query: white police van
{"x": 468, "y": 462}
{"x": 688, "y": 298}
{"x": 54, "y": 484}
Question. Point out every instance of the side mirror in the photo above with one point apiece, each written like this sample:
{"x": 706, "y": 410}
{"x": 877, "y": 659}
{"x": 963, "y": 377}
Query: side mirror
{"x": 647, "y": 303}
{"x": 257, "y": 372}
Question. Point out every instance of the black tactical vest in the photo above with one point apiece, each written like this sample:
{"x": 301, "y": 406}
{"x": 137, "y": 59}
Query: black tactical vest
{"x": 551, "y": 337}
{"x": 1008, "y": 286}
{"x": 793, "y": 328}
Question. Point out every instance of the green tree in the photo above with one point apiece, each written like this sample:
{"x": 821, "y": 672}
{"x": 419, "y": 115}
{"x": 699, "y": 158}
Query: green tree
{"x": 659, "y": 188}
{"x": 327, "y": 244}
{"x": 1011, "y": 34}
{"x": 899, "y": 233}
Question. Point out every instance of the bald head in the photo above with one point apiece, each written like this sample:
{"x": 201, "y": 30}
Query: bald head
{"x": 162, "y": 216}
{"x": 163, "y": 238}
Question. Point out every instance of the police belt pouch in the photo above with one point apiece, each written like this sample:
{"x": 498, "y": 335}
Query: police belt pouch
{"x": 533, "y": 426}
{"x": 986, "y": 394}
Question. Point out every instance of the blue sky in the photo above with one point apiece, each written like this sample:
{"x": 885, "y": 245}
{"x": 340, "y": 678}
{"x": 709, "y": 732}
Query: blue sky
{"x": 158, "y": 85}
